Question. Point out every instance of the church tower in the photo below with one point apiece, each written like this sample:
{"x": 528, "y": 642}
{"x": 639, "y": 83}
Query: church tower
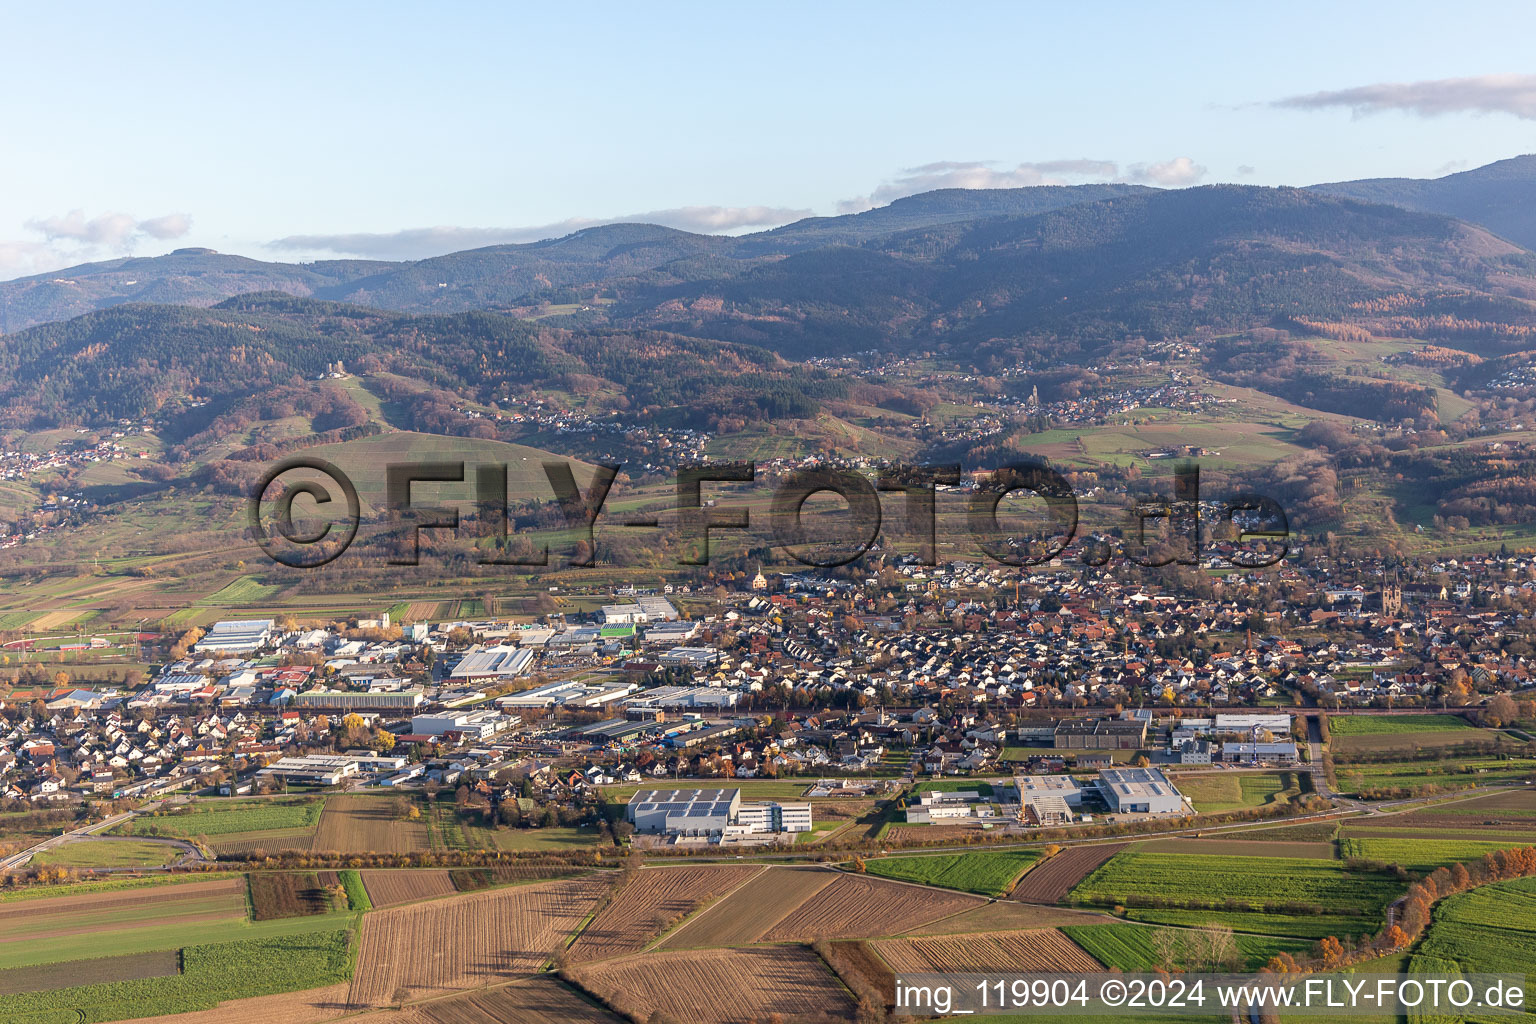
{"x": 1391, "y": 595}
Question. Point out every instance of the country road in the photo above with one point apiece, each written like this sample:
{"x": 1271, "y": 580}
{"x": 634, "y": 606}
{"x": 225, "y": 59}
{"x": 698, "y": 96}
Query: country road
{"x": 16, "y": 860}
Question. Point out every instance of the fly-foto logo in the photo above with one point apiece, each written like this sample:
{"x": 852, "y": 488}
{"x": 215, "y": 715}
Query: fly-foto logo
{"x": 1154, "y": 533}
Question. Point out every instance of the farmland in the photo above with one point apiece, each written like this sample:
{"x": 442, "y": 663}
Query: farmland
{"x": 1299, "y": 926}
{"x": 74, "y": 927}
{"x": 211, "y": 973}
{"x": 392, "y": 888}
{"x": 1004, "y": 916}
{"x": 279, "y": 894}
{"x": 747, "y": 914}
{"x": 468, "y": 941}
{"x": 1415, "y": 853}
{"x": 540, "y": 1000}
{"x": 45, "y": 977}
{"x": 854, "y": 906}
{"x": 649, "y": 902}
{"x": 92, "y": 853}
{"x": 1393, "y": 725}
{"x": 229, "y": 817}
{"x": 1050, "y": 881}
{"x": 1488, "y": 929}
{"x": 719, "y": 986}
{"x": 1394, "y": 778}
{"x": 367, "y": 824}
{"x": 1175, "y": 880}
{"x": 988, "y": 873}
{"x": 1129, "y": 947}
{"x": 1046, "y": 950}
{"x": 1231, "y": 791}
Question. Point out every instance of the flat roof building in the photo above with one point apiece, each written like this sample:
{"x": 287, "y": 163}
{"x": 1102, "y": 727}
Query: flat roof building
{"x": 492, "y": 664}
{"x": 399, "y": 700}
{"x": 236, "y": 636}
{"x": 1139, "y": 791}
{"x": 712, "y": 813}
{"x": 683, "y": 812}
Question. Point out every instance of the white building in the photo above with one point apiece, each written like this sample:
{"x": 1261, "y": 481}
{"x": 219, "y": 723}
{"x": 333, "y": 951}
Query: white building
{"x": 492, "y": 664}
{"x": 712, "y": 813}
{"x": 1139, "y": 791}
{"x": 478, "y": 725}
{"x": 236, "y": 636}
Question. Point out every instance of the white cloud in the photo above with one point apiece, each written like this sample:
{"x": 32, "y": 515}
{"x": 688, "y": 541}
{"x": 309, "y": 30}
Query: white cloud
{"x": 172, "y": 225}
{"x": 1174, "y": 173}
{"x": 1482, "y": 94}
{"x": 419, "y": 243}
{"x": 1180, "y": 172}
{"x": 71, "y": 238}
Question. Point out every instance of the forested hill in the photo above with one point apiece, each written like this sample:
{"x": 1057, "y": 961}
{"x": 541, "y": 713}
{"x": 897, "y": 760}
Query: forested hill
{"x": 639, "y": 262}
{"x": 1500, "y": 196}
{"x": 242, "y": 359}
{"x": 1051, "y": 289}
{"x": 1078, "y": 279}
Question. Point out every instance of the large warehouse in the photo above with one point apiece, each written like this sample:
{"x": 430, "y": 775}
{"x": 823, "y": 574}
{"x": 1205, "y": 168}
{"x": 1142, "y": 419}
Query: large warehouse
{"x": 683, "y": 812}
{"x": 712, "y": 812}
{"x": 1139, "y": 791}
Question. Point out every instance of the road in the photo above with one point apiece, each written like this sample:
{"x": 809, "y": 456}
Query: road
{"x": 17, "y": 860}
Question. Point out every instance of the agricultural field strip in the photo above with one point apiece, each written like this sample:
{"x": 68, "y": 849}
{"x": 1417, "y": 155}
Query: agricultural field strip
{"x": 49, "y": 976}
{"x": 719, "y": 985}
{"x": 31, "y": 920}
{"x": 1041, "y": 950}
{"x": 1051, "y": 880}
{"x": 856, "y": 906}
{"x": 460, "y": 942}
{"x": 987, "y": 873}
{"x": 208, "y": 819}
{"x": 1205, "y": 880}
{"x": 390, "y": 888}
{"x": 750, "y": 912}
{"x": 625, "y": 925}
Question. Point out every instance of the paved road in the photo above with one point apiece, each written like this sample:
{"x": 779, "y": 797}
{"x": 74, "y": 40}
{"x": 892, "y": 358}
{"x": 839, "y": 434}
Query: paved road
{"x": 15, "y": 861}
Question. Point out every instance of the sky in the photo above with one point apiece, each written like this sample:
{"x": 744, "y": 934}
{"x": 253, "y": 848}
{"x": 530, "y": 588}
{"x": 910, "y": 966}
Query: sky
{"x": 397, "y": 131}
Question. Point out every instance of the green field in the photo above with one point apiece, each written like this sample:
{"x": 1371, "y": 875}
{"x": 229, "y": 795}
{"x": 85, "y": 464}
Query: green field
{"x": 1129, "y": 947}
{"x": 1491, "y": 929}
{"x": 1393, "y": 725}
{"x": 989, "y": 873}
{"x": 1417, "y": 854}
{"x": 1300, "y": 926}
{"x": 1196, "y": 881}
{"x": 1426, "y": 776}
{"x": 211, "y": 973}
{"x": 1232, "y": 791}
{"x": 144, "y": 928}
{"x": 228, "y": 817}
{"x": 242, "y": 592}
{"x": 104, "y": 853}
{"x": 549, "y": 840}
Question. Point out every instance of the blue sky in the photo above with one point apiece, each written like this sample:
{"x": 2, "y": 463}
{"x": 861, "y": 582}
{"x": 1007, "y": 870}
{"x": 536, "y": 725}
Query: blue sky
{"x": 299, "y": 131}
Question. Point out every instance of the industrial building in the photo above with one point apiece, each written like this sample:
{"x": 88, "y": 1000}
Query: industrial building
{"x": 934, "y": 806}
{"x": 1139, "y": 791}
{"x": 462, "y": 725}
{"x": 241, "y": 636}
{"x": 1099, "y": 734}
{"x": 491, "y": 665}
{"x": 683, "y": 812}
{"x": 712, "y": 813}
{"x": 1250, "y": 753}
{"x": 329, "y": 769}
{"x": 568, "y": 693}
{"x": 680, "y": 698}
{"x": 398, "y": 700}
{"x": 1048, "y": 799}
